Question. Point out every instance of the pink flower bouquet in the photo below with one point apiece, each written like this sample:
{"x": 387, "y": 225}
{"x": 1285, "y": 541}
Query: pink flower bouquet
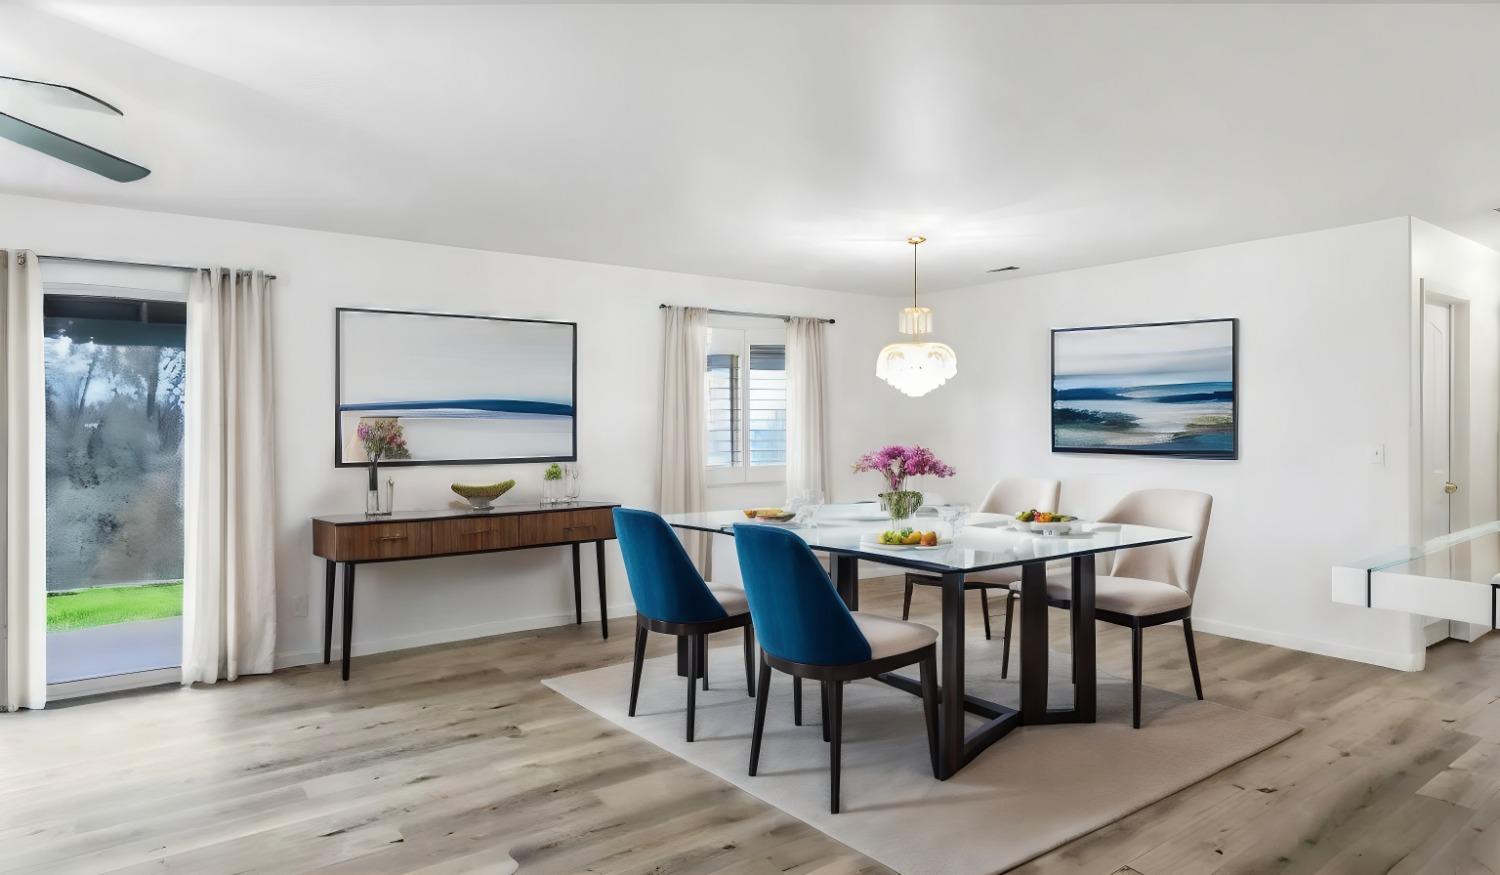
{"x": 895, "y": 463}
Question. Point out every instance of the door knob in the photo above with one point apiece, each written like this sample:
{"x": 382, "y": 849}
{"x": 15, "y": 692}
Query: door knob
{"x": 1450, "y": 487}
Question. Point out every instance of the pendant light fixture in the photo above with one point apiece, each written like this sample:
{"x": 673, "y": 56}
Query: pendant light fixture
{"x": 916, "y": 367}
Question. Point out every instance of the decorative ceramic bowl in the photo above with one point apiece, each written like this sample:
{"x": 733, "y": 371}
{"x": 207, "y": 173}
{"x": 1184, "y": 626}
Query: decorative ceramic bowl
{"x": 482, "y": 497}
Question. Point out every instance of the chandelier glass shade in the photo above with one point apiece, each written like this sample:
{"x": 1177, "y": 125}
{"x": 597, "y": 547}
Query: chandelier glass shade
{"x": 915, "y": 367}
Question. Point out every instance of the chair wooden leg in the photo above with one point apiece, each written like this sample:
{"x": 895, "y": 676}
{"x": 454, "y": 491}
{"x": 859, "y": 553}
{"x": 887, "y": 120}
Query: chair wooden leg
{"x": 825, "y": 685}
{"x": 695, "y": 643}
{"x": 703, "y": 660}
{"x": 760, "y": 714}
{"x": 1010, "y": 601}
{"x": 835, "y": 698}
{"x": 928, "y": 671}
{"x": 1135, "y": 676}
{"x": 796, "y": 701}
{"x": 635, "y": 669}
{"x": 906, "y": 602}
{"x": 1187, "y": 632}
{"x": 984, "y": 604}
{"x": 750, "y": 660}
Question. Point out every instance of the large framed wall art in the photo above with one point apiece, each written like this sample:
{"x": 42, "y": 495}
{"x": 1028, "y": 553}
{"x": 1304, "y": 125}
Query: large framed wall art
{"x": 465, "y": 389}
{"x": 1156, "y": 389}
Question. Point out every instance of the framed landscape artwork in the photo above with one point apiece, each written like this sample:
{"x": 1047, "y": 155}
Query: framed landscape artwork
{"x": 465, "y": 389}
{"x": 1159, "y": 389}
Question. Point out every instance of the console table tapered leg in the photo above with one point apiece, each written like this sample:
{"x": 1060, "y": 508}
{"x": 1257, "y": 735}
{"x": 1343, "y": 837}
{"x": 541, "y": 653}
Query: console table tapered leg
{"x": 331, "y": 577}
{"x": 603, "y": 600}
{"x": 348, "y": 615}
{"x": 577, "y": 589}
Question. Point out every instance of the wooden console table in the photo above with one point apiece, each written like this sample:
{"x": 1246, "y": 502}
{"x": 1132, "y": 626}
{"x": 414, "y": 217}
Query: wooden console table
{"x": 355, "y": 539}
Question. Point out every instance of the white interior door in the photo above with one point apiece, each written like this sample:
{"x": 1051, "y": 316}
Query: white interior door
{"x": 1437, "y": 420}
{"x": 1437, "y": 432}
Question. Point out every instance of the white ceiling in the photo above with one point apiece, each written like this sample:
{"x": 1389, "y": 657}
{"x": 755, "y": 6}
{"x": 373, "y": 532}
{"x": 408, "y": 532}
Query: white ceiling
{"x": 786, "y": 143}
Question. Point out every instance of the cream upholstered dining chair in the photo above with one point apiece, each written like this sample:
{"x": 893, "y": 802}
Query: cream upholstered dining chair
{"x": 1008, "y": 496}
{"x": 1148, "y": 586}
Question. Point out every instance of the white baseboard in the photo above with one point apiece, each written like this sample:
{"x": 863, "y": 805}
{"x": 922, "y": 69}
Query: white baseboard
{"x": 620, "y": 615}
{"x": 1399, "y": 660}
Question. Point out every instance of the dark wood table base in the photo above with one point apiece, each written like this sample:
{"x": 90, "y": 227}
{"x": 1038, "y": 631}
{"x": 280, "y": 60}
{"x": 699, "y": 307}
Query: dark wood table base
{"x": 956, "y": 748}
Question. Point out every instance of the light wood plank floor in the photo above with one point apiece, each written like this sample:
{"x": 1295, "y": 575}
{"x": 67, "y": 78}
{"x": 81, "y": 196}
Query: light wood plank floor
{"x": 455, "y": 759}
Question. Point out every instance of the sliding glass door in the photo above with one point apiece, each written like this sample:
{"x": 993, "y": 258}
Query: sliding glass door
{"x": 115, "y": 372}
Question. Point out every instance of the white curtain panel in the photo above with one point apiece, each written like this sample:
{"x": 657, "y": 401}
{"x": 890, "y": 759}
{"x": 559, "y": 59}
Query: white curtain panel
{"x": 25, "y": 506}
{"x": 680, "y": 486}
{"x": 229, "y": 591}
{"x": 806, "y": 408}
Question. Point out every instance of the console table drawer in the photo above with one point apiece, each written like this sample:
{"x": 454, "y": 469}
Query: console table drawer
{"x": 471, "y": 535}
{"x": 384, "y": 541}
{"x": 564, "y": 527}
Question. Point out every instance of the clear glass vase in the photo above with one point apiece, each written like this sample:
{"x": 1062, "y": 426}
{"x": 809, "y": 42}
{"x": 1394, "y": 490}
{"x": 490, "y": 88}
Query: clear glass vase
{"x": 900, "y": 504}
{"x": 378, "y": 493}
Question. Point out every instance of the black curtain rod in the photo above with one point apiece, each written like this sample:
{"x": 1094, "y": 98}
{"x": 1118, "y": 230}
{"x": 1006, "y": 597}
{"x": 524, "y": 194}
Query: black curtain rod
{"x": 82, "y": 260}
{"x": 780, "y": 316}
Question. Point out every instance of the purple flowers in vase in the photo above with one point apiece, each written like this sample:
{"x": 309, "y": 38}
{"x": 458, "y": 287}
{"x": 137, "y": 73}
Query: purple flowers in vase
{"x": 382, "y": 438}
{"x": 896, "y": 463}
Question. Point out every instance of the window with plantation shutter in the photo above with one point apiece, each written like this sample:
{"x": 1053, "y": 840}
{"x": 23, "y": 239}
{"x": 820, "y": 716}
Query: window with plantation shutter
{"x": 745, "y": 385}
{"x": 723, "y": 411}
{"x": 767, "y": 404}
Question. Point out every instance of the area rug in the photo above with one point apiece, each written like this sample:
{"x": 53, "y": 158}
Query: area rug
{"x": 1035, "y": 789}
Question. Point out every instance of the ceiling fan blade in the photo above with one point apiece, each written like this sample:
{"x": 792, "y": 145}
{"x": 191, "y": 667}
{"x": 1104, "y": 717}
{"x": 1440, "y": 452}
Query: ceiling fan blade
{"x": 57, "y": 95}
{"x": 69, "y": 150}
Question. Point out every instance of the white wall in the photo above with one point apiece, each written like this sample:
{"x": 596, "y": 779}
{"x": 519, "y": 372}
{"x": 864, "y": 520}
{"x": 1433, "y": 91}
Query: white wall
{"x": 1323, "y": 378}
{"x": 408, "y": 604}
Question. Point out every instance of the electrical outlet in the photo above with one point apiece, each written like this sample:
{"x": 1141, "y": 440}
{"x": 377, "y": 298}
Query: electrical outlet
{"x": 299, "y": 606}
{"x": 1375, "y": 454}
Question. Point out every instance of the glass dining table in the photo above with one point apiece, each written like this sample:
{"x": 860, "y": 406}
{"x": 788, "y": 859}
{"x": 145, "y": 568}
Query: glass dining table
{"x": 985, "y": 542}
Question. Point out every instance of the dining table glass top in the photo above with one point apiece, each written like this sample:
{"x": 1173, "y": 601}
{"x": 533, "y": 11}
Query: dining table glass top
{"x": 984, "y": 541}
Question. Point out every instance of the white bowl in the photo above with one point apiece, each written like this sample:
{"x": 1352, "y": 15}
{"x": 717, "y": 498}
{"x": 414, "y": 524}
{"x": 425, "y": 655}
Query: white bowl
{"x": 1055, "y": 528}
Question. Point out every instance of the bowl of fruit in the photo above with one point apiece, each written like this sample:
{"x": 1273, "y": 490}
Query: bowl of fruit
{"x": 905, "y": 539}
{"x": 1044, "y": 522}
{"x": 773, "y": 515}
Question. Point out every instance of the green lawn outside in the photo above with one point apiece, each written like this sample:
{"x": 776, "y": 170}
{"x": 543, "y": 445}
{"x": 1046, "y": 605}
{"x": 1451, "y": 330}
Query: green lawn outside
{"x": 101, "y": 606}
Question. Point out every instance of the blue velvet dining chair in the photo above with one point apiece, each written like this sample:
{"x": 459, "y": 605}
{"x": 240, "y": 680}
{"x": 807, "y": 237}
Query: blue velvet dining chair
{"x": 672, "y": 598}
{"x": 806, "y": 631}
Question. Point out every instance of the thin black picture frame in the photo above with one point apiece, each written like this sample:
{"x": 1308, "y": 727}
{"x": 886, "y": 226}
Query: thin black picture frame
{"x": 1213, "y": 455}
{"x": 338, "y": 367}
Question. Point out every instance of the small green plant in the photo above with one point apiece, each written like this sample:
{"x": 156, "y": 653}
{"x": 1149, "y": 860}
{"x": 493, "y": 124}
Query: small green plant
{"x": 553, "y": 472}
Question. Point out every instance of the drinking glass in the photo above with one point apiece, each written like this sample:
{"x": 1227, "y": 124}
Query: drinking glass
{"x": 955, "y": 515}
{"x": 570, "y": 477}
{"x": 809, "y": 502}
